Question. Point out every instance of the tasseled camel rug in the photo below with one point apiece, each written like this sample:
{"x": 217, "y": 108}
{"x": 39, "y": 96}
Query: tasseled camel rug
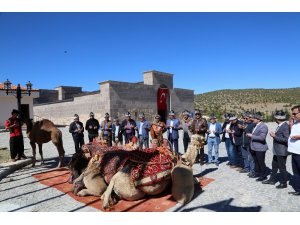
{"x": 160, "y": 203}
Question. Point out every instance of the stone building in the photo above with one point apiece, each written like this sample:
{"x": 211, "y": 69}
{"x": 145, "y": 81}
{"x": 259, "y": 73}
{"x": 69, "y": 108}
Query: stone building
{"x": 155, "y": 95}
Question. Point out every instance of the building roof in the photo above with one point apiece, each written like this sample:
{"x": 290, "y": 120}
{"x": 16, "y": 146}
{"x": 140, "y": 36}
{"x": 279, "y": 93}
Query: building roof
{"x": 14, "y": 87}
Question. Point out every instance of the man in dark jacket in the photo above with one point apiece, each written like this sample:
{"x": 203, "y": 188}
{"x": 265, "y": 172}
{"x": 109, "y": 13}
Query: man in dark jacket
{"x": 76, "y": 129}
{"x": 247, "y": 126}
{"x": 106, "y": 129}
{"x": 128, "y": 127}
{"x": 199, "y": 126}
{"x": 280, "y": 145}
{"x": 237, "y": 134}
{"x": 92, "y": 126}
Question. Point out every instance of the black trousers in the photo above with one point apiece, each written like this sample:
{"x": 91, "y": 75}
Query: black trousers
{"x": 279, "y": 163}
{"x": 260, "y": 165}
{"x": 16, "y": 145}
{"x": 92, "y": 136}
{"x": 296, "y": 171}
{"x": 78, "y": 142}
{"x": 186, "y": 141}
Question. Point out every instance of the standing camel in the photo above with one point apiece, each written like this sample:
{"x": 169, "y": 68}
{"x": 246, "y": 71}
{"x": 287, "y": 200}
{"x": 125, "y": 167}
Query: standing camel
{"x": 42, "y": 132}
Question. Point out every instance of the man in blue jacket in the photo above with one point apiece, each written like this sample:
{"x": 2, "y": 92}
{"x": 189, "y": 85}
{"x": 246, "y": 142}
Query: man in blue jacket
{"x": 173, "y": 126}
{"x": 143, "y": 128}
{"x": 213, "y": 139}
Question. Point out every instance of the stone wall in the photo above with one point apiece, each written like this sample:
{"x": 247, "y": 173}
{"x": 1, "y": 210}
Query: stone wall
{"x": 156, "y": 79}
{"x": 46, "y": 96}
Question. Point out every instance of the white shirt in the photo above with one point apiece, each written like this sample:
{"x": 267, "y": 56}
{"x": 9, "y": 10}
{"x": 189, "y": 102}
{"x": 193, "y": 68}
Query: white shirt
{"x": 212, "y": 128}
{"x": 256, "y": 127}
{"x": 171, "y": 124}
{"x": 141, "y": 128}
{"x": 117, "y": 130}
{"x": 227, "y": 128}
{"x": 294, "y": 145}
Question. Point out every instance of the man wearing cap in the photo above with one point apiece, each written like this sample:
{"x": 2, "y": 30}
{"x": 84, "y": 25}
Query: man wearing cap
{"x": 247, "y": 126}
{"x": 117, "y": 136}
{"x": 173, "y": 126}
{"x": 185, "y": 126}
{"x": 227, "y": 138}
{"x": 259, "y": 146}
{"x": 158, "y": 128}
{"x": 92, "y": 126}
{"x": 280, "y": 153}
{"x": 106, "y": 129}
{"x": 213, "y": 139}
{"x": 199, "y": 126}
{"x": 294, "y": 148}
{"x": 76, "y": 129}
{"x": 128, "y": 127}
{"x": 143, "y": 127}
{"x": 16, "y": 141}
{"x": 237, "y": 134}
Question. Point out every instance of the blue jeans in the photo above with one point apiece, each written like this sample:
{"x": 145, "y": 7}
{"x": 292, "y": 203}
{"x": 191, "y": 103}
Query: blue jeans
{"x": 231, "y": 153}
{"x": 213, "y": 143}
{"x": 248, "y": 159}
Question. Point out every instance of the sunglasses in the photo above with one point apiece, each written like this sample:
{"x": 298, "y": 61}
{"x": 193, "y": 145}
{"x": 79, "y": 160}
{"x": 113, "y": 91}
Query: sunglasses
{"x": 294, "y": 114}
{"x": 197, "y": 114}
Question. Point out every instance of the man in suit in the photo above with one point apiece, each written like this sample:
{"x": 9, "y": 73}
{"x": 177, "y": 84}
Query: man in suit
{"x": 213, "y": 139}
{"x": 280, "y": 142}
{"x": 173, "y": 126}
{"x": 259, "y": 146}
{"x": 294, "y": 148}
{"x": 76, "y": 129}
{"x": 117, "y": 137}
{"x": 143, "y": 127}
{"x": 128, "y": 127}
{"x": 199, "y": 126}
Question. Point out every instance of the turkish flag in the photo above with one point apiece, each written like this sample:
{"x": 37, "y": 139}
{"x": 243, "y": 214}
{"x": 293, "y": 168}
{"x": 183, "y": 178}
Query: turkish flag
{"x": 162, "y": 96}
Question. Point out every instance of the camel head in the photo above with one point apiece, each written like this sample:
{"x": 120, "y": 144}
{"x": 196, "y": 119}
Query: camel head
{"x": 77, "y": 164}
{"x": 197, "y": 142}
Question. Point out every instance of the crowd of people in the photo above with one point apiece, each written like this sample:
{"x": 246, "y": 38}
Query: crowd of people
{"x": 244, "y": 139}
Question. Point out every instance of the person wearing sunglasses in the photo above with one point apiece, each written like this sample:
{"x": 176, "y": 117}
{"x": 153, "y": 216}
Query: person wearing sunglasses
{"x": 294, "y": 148}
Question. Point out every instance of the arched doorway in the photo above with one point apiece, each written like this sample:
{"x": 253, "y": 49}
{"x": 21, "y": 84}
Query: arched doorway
{"x": 162, "y": 102}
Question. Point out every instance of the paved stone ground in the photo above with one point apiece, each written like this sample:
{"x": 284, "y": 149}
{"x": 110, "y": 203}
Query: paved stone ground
{"x": 230, "y": 192}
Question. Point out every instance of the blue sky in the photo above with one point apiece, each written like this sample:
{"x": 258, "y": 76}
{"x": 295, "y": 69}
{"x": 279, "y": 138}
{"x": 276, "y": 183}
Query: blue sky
{"x": 205, "y": 51}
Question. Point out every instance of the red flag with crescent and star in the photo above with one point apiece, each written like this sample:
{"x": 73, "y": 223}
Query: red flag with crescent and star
{"x": 162, "y": 98}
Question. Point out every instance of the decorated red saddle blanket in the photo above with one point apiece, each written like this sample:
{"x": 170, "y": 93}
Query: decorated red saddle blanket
{"x": 149, "y": 166}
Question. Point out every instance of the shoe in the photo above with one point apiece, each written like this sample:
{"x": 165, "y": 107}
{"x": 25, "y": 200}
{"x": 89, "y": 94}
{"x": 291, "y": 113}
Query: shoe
{"x": 261, "y": 178}
{"x": 13, "y": 160}
{"x": 23, "y": 156}
{"x": 233, "y": 166}
{"x": 296, "y": 193}
{"x": 244, "y": 171}
{"x": 272, "y": 182}
{"x": 281, "y": 186}
{"x": 201, "y": 162}
{"x": 228, "y": 164}
{"x": 217, "y": 163}
{"x": 208, "y": 163}
{"x": 239, "y": 169}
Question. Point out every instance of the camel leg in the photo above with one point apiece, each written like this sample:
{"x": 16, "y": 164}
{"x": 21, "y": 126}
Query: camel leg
{"x": 41, "y": 153}
{"x": 58, "y": 142}
{"x": 33, "y": 146}
{"x": 86, "y": 192}
{"x": 61, "y": 153}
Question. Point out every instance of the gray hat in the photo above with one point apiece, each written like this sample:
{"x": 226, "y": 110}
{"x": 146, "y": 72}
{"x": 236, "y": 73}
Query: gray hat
{"x": 197, "y": 111}
{"x": 172, "y": 113}
{"x": 186, "y": 112}
{"x": 258, "y": 116}
{"x": 212, "y": 117}
{"x": 280, "y": 115}
{"x": 247, "y": 114}
{"x": 76, "y": 115}
{"x": 128, "y": 114}
{"x": 157, "y": 117}
{"x": 91, "y": 114}
{"x": 141, "y": 115}
{"x": 106, "y": 115}
{"x": 232, "y": 117}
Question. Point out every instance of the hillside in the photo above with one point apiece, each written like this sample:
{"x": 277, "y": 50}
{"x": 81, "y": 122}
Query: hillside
{"x": 237, "y": 101}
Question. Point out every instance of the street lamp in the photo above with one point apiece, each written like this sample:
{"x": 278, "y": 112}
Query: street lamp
{"x": 18, "y": 92}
